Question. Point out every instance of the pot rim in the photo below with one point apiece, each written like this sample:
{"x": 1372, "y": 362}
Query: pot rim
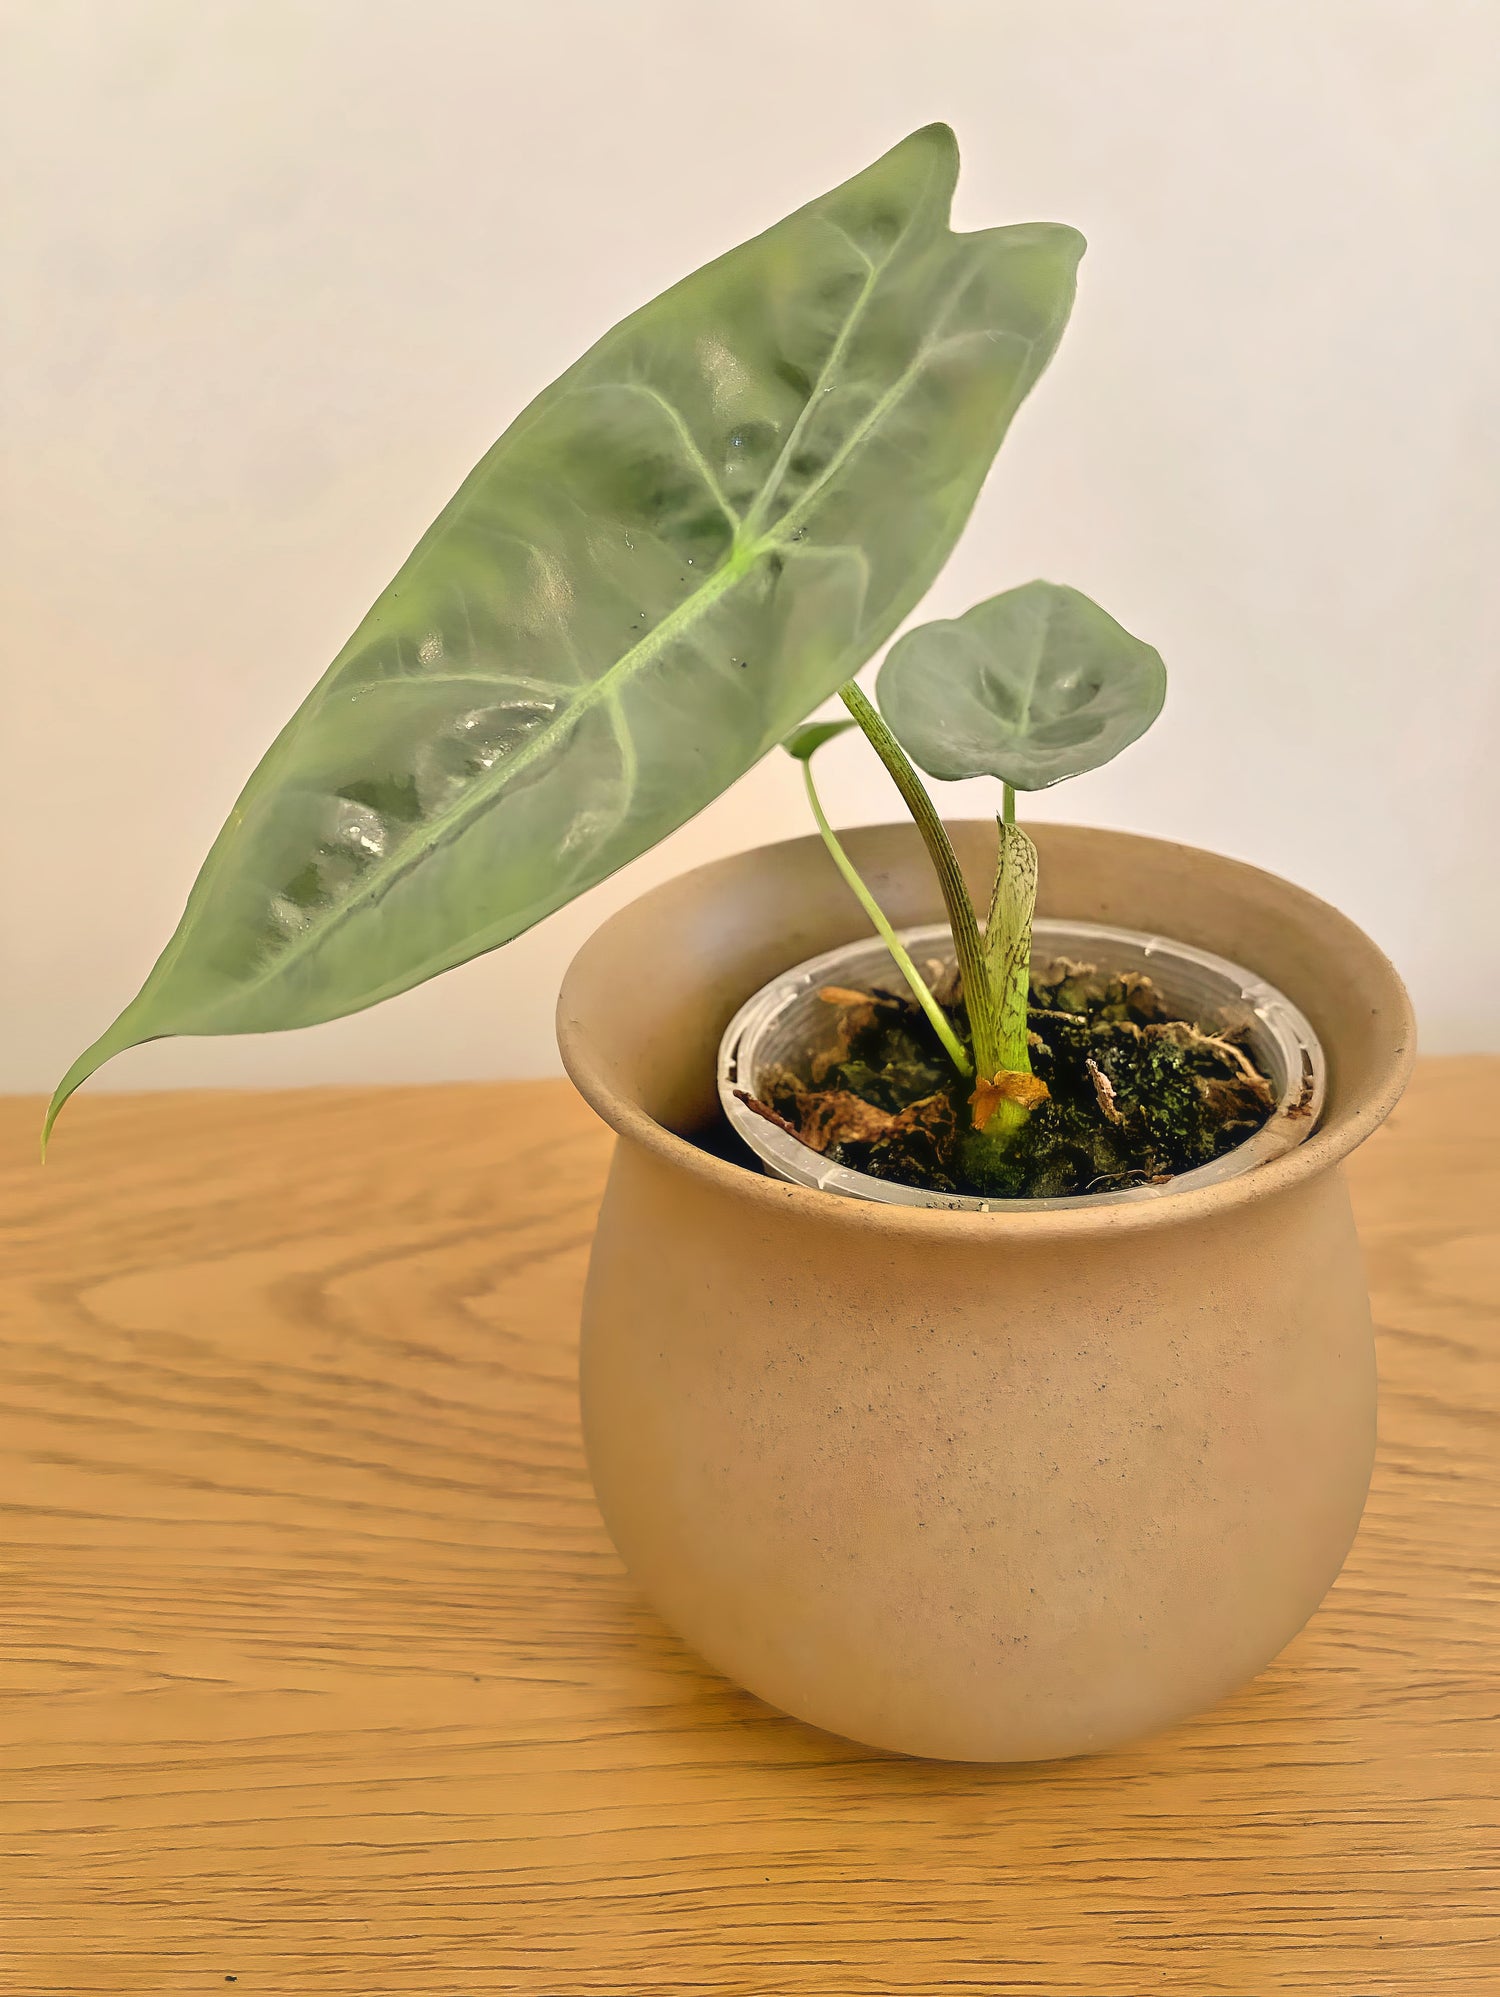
{"x": 1343, "y": 1128}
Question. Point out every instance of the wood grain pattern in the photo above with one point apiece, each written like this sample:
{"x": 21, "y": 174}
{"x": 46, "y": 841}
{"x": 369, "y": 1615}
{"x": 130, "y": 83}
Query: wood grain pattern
{"x": 320, "y": 1674}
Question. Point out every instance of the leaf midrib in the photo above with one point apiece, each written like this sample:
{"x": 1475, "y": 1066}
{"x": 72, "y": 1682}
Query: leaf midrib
{"x": 766, "y": 497}
{"x": 741, "y": 562}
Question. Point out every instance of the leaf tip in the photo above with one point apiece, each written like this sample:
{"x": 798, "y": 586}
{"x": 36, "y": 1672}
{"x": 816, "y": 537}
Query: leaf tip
{"x": 1074, "y": 241}
{"x": 932, "y": 152}
{"x": 89, "y": 1062}
{"x": 54, "y": 1109}
{"x": 938, "y": 136}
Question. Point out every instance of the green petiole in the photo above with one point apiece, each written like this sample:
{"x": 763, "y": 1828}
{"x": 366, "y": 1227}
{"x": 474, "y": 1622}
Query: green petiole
{"x": 917, "y": 983}
{"x": 968, "y": 944}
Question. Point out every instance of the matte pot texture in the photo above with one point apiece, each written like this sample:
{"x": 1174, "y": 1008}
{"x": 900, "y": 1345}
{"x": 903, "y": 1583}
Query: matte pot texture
{"x": 981, "y": 1486}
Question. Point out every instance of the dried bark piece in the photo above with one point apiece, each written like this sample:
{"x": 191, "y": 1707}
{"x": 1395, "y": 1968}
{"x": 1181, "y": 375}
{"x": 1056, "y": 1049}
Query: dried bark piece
{"x": 836, "y": 1116}
{"x": 1104, "y": 1089}
{"x": 843, "y": 995}
{"x": 858, "y": 1012}
{"x": 822, "y": 1118}
{"x": 765, "y": 1110}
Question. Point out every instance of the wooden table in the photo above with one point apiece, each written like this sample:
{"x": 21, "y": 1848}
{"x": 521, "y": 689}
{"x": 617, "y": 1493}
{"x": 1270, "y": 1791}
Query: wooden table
{"x": 320, "y": 1676}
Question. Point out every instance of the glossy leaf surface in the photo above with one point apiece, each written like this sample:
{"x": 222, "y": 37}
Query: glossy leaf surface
{"x": 1031, "y": 686}
{"x": 672, "y": 556}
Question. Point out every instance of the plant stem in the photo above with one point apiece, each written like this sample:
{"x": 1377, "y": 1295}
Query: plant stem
{"x": 1008, "y": 804}
{"x": 1007, "y": 943}
{"x": 979, "y": 999}
{"x": 1007, "y": 951}
{"x": 920, "y": 990}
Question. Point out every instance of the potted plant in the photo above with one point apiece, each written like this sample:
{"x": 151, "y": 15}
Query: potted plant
{"x": 1026, "y": 1401}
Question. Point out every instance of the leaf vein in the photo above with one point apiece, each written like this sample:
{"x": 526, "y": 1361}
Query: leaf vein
{"x": 689, "y": 444}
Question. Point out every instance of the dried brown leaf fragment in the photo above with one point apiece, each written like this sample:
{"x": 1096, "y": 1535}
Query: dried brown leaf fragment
{"x": 1104, "y": 1090}
{"x": 1007, "y": 1087}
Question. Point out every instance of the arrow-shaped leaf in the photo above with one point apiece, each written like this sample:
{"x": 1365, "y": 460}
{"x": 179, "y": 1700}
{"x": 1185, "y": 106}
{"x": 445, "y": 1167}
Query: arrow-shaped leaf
{"x": 679, "y": 550}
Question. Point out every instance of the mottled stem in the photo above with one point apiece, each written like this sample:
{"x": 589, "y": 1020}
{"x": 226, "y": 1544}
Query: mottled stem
{"x": 1007, "y": 950}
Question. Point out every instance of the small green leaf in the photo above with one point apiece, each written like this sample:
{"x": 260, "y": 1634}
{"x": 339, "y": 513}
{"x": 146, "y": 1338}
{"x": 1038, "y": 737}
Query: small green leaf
{"x": 806, "y": 741}
{"x": 1031, "y": 686}
{"x": 683, "y": 547}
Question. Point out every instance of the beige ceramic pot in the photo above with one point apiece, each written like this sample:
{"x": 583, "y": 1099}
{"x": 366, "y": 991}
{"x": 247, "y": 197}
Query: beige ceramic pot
{"x": 984, "y": 1486}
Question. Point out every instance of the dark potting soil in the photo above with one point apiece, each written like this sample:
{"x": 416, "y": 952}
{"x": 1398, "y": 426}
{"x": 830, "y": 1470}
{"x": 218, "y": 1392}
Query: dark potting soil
{"x": 1135, "y": 1094}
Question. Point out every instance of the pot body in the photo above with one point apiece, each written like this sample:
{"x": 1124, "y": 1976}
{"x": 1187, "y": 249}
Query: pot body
{"x": 969, "y": 1485}
{"x": 997, "y": 1503}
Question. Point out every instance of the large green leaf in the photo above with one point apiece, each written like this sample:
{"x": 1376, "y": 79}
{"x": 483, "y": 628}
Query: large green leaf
{"x": 680, "y": 548}
{"x": 1031, "y": 686}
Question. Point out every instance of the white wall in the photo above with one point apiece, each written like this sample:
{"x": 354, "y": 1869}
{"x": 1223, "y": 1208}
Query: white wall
{"x": 287, "y": 266}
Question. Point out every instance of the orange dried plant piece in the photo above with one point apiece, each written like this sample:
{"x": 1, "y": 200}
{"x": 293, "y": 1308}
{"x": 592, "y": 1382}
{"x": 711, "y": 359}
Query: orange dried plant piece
{"x": 1026, "y": 1091}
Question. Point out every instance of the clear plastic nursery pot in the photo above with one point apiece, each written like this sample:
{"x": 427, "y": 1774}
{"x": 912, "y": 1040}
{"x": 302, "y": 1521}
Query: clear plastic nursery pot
{"x": 786, "y": 1023}
{"x": 986, "y": 1485}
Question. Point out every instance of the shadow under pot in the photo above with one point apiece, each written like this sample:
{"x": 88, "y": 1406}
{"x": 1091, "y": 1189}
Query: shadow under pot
{"x": 988, "y": 1483}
